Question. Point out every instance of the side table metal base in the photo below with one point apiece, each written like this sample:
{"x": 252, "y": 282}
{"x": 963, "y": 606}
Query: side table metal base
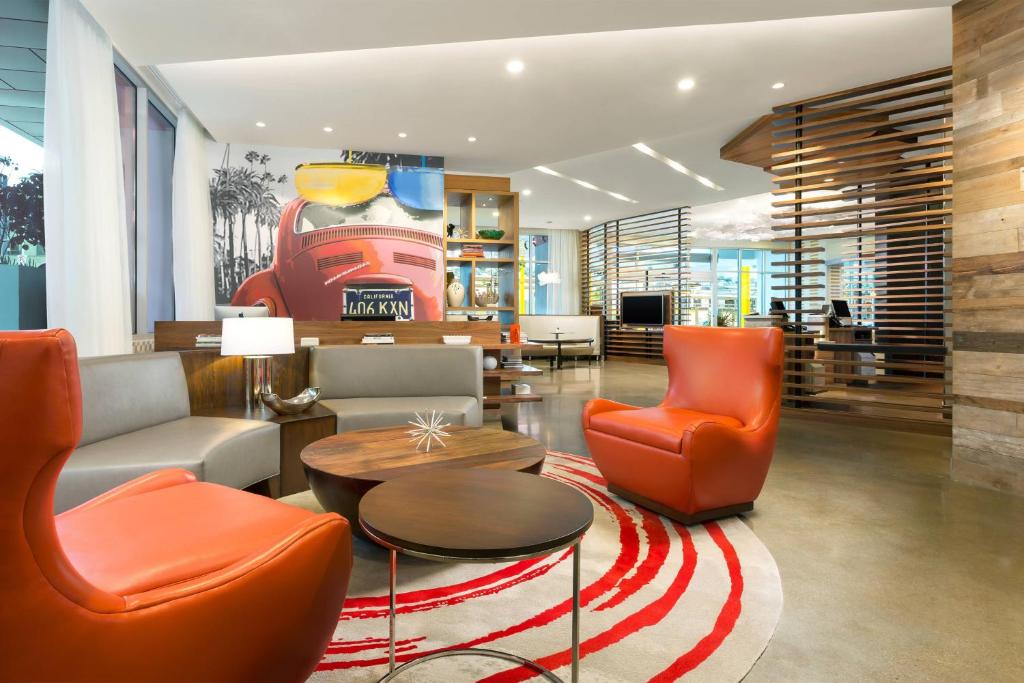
{"x": 476, "y": 652}
{"x": 394, "y": 672}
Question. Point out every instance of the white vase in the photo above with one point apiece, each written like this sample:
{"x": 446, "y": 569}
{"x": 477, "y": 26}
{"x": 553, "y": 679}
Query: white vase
{"x": 455, "y": 294}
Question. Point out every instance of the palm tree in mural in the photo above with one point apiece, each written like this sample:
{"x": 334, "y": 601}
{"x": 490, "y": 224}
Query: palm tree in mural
{"x": 242, "y": 198}
{"x": 224, "y": 203}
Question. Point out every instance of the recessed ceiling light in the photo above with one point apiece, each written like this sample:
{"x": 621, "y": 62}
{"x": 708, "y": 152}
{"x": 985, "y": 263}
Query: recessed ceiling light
{"x": 527, "y": 193}
{"x": 328, "y": 129}
{"x": 778, "y": 85}
{"x": 260, "y": 124}
{"x": 829, "y": 180}
{"x": 494, "y": 213}
{"x": 587, "y": 218}
{"x": 471, "y": 138}
{"x": 403, "y": 135}
{"x": 686, "y": 84}
{"x": 584, "y": 183}
{"x": 515, "y": 66}
{"x": 675, "y": 165}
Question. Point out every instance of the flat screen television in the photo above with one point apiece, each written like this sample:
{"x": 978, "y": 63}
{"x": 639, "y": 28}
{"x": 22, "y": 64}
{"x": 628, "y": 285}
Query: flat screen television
{"x": 645, "y": 309}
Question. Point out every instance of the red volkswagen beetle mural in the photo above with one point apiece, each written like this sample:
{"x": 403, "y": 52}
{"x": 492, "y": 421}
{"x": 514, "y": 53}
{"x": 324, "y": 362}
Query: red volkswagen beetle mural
{"x": 372, "y": 250}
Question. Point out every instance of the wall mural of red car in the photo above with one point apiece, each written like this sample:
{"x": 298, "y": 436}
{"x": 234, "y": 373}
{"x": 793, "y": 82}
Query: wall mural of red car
{"x": 362, "y": 241}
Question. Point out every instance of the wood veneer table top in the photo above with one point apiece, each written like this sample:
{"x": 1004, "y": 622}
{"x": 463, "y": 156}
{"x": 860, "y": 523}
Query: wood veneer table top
{"x": 475, "y": 515}
{"x": 387, "y": 453}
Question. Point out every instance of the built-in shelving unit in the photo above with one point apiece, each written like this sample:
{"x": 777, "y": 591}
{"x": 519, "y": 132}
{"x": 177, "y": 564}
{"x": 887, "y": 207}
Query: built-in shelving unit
{"x": 490, "y": 276}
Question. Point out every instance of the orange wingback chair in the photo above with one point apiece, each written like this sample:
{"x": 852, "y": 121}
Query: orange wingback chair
{"x": 161, "y": 579}
{"x": 704, "y": 451}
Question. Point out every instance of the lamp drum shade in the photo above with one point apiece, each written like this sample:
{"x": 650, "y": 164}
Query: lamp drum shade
{"x": 257, "y": 337}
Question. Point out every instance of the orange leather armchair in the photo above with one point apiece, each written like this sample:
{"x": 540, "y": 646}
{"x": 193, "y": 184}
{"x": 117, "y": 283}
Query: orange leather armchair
{"x": 704, "y": 451}
{"x": 161, "y": 579}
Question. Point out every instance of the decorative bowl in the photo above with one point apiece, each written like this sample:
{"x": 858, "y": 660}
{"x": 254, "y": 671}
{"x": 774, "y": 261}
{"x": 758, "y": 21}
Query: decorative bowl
{"x": 491, "y": 234}
{"x": 294, "y": 405}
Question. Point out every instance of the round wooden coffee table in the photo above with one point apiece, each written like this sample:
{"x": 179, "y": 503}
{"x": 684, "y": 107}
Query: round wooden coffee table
{"x": 477, "y": 515}
{"x": 342, "y": 468}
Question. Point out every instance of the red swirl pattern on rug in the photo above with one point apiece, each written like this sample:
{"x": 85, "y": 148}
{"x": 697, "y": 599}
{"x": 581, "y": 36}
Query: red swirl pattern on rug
{"x": 660, "y": 602}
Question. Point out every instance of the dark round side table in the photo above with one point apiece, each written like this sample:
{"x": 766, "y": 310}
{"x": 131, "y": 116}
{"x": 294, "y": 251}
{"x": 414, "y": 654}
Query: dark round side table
{"x": 477, "y": 515}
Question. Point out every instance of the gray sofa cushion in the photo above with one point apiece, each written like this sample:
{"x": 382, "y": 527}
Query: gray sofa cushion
{"x": 226, "y": 451}
{"x": 122, "y": 394}
{"x": 405, "y": 370}
{"x": 364, "y": 413}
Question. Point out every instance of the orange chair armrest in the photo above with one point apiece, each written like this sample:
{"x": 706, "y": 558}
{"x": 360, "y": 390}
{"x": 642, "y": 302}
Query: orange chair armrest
{"x": 714, "y": 438}
{"x": 239, "y": 570}
{"x": 602, "y": 405}
{"x": 154, "y": 481}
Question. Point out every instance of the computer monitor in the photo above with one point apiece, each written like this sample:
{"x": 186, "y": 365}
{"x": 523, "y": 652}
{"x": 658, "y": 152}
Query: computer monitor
{"x": 841, "y": 309}
{"x": 777, "y": 307}
{"x": 221, "y": 312}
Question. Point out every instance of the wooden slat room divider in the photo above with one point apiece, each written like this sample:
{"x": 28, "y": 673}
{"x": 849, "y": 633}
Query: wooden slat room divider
{"x": 650, "y": 252}
{"x": 863, "y": 179}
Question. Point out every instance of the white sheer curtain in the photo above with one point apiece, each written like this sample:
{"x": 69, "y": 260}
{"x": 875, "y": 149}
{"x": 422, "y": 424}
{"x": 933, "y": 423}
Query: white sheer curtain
{"x": 194, "y": 293}
{"x": 87, "y": 288}
{"x": 563, "y": 296}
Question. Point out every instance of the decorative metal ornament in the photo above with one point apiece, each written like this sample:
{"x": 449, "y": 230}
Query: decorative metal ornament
{"x": 428, "y": 428}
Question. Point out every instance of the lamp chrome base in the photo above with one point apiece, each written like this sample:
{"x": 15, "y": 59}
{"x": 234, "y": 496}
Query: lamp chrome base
{"x": 257, "y": 380}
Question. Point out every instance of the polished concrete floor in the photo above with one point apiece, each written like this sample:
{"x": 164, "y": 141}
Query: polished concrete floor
{"x": 890, "y": 570}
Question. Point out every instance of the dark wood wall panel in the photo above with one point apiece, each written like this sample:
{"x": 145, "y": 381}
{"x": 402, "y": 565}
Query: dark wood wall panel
{"x": 863, "y": 185}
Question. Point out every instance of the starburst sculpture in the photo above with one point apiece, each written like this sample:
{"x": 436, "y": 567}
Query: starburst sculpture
{"x": 428, "y": 428}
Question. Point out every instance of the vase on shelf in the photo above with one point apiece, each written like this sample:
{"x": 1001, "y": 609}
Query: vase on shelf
{"x": 455, "y": 293}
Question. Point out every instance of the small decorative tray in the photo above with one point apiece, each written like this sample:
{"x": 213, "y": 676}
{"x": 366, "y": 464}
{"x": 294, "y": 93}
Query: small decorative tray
{"x": 457, "y": 338}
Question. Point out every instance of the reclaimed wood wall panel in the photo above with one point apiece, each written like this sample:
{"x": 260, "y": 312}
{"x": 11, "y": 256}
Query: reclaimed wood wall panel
{"x": 988, "y": 243}
{"x": 864, "y": 192}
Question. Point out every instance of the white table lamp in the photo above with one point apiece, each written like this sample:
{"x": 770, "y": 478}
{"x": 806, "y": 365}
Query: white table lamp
{"x": 257, "y": 339}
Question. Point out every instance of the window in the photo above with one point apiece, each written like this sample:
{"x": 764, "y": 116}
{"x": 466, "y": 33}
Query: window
{"x": 534, "y": 274}
{"x": 22, "y": 250}
{"x": 147, "y": 155}
{"x": 160, "y": 169}
{"x": 729, "y": 284}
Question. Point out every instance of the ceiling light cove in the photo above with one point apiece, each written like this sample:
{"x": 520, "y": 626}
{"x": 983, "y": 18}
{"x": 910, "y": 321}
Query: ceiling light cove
{"x": 515, "y": 66}
{"x": 584, "y": 183}
{"x": 676, "y": 166}
{"x": 778, "y": 85}
{"x": 686, "y": 84}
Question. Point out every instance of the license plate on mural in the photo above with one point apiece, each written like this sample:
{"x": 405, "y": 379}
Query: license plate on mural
{"x": 376, "y": 302}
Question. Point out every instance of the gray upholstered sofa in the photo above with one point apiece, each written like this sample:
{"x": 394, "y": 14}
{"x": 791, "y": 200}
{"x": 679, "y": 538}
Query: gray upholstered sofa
{"x": 379, "y": 386}
{"x": 136, "y": 419}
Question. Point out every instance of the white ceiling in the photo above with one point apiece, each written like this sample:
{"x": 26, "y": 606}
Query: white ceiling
{"x": 590, "y": 89}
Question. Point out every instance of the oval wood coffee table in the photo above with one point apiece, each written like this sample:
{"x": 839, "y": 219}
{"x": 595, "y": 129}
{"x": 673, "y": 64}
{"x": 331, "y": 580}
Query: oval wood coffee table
{"x": 343, "y": 467}
{"x": 477, "y": 515}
